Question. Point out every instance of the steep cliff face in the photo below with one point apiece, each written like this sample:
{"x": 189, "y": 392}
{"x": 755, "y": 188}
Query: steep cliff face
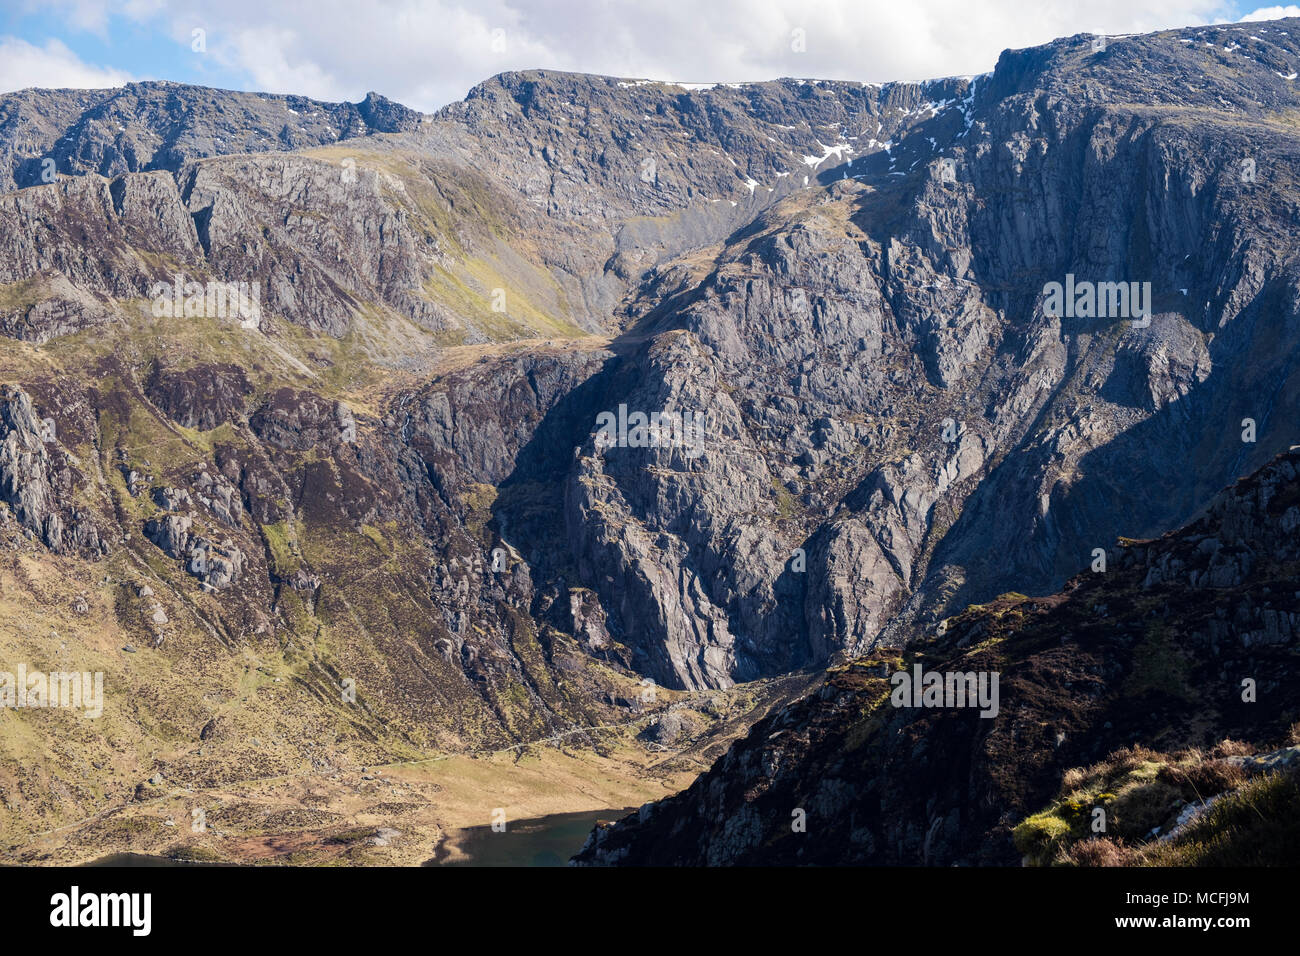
{"x": 909, "y": 406}
{"x": 590, "y": 381}
{"x": 38, "y": 480}
{"x": 163, "y": 125}
{"x": 1180, "y": 643}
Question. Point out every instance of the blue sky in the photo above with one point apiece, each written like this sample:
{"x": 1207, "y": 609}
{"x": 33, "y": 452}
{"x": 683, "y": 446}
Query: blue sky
{"x": 429, "y": 52}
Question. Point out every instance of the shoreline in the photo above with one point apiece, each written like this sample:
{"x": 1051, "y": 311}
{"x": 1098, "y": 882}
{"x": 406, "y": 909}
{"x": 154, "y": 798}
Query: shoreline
{"x": 400, "y": 816}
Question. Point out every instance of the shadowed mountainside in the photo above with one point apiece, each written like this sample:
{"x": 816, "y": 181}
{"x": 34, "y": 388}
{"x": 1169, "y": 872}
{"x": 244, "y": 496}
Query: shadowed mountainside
{"x": 1154, "y": 652}
{"x": 386, "y": 472}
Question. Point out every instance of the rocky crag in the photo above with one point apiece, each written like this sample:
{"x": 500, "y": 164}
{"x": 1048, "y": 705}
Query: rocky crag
{"x": 386, "y": 467}
{"x": 1165, "y": 681}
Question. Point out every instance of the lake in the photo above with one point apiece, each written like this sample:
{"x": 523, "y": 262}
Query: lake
{"x": 541, "y": 841}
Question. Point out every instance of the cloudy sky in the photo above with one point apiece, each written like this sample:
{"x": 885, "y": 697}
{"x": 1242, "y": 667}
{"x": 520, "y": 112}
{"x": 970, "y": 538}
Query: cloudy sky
{"x": 426, "y": 53}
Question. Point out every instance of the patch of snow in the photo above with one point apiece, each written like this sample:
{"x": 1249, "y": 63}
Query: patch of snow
{"x": 967, "y": 104}
{"x": 837, "y": 151}
{"x": 934, "y": 108}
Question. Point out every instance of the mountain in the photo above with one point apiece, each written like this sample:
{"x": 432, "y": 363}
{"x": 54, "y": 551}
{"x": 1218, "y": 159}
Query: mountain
{"x": 303, "y": 397}
{"x": 159, "y": 125}
{"x": 1152, "y": 690}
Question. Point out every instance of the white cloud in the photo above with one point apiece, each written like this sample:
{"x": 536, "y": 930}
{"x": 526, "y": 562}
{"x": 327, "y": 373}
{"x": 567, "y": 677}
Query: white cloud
{"x": 429, "y": 52}
{"x": 87, "y": 16}
{"x": 1272, "y": 13}
{"x": 24, "y": 65}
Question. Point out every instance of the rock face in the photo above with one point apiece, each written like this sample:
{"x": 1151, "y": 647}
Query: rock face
{"x": 163, "y": 125}
{"x": 37, "y": 480}
{"x": 299, "y": 421}
{"x": 201, "y": 397}
{"x": 587, "y": 380}
{"x": 1152, "y": 651}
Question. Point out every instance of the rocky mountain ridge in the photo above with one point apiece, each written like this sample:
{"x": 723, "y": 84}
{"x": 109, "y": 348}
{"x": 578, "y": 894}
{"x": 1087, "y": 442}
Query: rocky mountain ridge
{"x": 390, "y": 472}
{"x": 1181, "y": 642}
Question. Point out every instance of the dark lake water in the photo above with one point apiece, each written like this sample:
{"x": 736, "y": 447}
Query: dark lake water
{"x": 542, "y": 841}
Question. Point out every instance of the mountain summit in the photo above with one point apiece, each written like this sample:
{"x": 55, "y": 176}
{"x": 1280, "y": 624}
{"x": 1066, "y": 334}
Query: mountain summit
{"x": 305, "y": 437}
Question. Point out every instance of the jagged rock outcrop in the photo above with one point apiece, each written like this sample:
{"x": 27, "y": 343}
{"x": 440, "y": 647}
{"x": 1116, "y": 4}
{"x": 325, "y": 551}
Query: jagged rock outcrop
{"x": 201, "y": 397}
{"x": 1149, "y": 651}
{"x": 160, "y": 125}
{"x": 299, "y": 421}
{"x": 396, "y": 464}
{"x": 39, "y": 482}
{"x": 216, "y": 565}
